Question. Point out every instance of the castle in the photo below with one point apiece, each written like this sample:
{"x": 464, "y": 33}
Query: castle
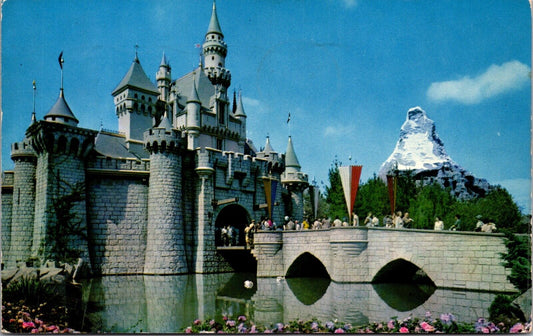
{"x": 152, "y": 197}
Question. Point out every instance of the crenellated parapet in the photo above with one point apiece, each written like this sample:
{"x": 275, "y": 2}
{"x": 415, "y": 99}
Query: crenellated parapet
{"x": 219, "y": 75}
{"x": 163, "y": 140}
{"x": 56, "y": 138}
{"x": 23, "y": 150}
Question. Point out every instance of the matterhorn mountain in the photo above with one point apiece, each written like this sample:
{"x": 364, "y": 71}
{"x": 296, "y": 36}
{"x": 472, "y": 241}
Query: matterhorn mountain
{"x": 421, "y": 151}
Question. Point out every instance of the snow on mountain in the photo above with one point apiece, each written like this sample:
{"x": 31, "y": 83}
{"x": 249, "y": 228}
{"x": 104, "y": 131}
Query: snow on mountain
{"x": 419, "y": 149}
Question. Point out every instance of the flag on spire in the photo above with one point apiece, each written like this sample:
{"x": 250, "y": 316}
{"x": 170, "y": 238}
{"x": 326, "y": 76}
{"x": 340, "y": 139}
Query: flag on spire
{"x": 34, "y": 85}
{"x": 60, "y": 59}
{"x": 289, "y": 117}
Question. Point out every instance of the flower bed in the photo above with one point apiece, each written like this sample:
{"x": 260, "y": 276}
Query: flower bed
{"x": 445, "y": 323}
{"x": 19, "y": 318}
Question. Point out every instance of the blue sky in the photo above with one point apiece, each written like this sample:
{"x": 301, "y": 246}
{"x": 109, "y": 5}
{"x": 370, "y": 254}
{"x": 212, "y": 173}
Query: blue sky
{"x": 347, "y": 71}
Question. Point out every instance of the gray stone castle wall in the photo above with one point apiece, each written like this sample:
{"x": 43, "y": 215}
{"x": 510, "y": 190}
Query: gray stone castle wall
{"x": 117, "y": 214}
{"x": 22, "y": 211}
{"x": 7, "y": 207}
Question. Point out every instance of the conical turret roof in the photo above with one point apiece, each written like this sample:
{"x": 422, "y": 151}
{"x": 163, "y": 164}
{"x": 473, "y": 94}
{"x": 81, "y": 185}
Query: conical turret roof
{"x": 214, "y": 25}
{"x": 290, "y": 157}
{"x": 61, "y": 110}
{"x": 165, "y": 122}
{"x": 136, "y": 78}
{"x": 193, "y": 97}
{"x": 239, "y": 112}
{"x": 268, "y": 147}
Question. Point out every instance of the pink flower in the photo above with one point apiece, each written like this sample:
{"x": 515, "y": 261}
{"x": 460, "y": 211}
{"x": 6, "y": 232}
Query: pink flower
{"x": 390, "y": 325}
{"x": 197, "y": 322}
{"x": 188, "y": 330}
{"x": 35, "y": 331}
{"x": 427, "y": 327}
{"x": 27, "y": 325}
{"x": 404, "y": 330}
{"x": 516, "y": 328}
{"x": 339, "y": 331}
{"x": 241, "y": 318}
{"x": 51, "y": 328}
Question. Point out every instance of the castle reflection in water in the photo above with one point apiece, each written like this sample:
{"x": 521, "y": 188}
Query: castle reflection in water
{"x": 168, "y": 304}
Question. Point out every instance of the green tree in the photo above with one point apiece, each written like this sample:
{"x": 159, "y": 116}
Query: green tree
{"x": 372, "y": 197}
{"x": 335, "y": 193}
{"x": 431, "y": 201}
{"x": 498, "y": 207}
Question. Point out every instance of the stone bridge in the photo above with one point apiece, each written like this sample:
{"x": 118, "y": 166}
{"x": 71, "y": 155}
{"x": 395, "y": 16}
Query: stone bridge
{"x": 451, "y": 259}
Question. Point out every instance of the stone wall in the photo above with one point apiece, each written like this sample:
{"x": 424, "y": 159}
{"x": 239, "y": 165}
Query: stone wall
{"x": 7, "y": 206}
{"x": 117, "y": 215}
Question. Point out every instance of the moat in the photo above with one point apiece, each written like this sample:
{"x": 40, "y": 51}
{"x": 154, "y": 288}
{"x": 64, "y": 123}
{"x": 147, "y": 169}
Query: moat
{"x": 168, "y": 304}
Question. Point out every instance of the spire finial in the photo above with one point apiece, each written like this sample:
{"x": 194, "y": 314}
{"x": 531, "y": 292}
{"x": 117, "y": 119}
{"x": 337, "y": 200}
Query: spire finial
{"x": 136, "y": 53}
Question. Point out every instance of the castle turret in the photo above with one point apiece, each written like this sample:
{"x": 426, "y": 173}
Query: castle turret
{"x": 241, "y": 116}
{"x": 215, "y": 51}
{"x": 294, "y": 180}
{"x": 163, "y": 77}
{"x": 23, "y": 209}
{"x": 193, "y": 116}
{"x": 135, "y": 100}
{"x": 60, "y": 228}
{"x": 165, "y": 242}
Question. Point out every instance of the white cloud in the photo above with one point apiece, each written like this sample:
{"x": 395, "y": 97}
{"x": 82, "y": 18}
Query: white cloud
{"x": 497, "y": 79}
{"x": 349, "y": 3}
{"x": 246, "y": 101}
{"x": 336, "y": 130}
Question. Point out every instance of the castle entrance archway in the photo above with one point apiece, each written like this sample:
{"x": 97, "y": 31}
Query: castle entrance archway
{"x": 236, "y": 217}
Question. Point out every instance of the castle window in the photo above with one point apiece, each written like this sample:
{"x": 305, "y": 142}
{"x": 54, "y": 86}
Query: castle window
{"x": 221, "y": 109}
{"x": 136, "y": 96}
{"x": 219, "y": 144}
{"x": 142, "y": 97}
{"x": 150, "y": 99}
{"x": 143, "y": 109}
{"x": 212, "y": 58}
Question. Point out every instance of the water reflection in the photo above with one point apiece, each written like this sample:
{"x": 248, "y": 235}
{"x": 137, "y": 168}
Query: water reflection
{"x": 167, "y": 304}
{"x": 403, "y": 296}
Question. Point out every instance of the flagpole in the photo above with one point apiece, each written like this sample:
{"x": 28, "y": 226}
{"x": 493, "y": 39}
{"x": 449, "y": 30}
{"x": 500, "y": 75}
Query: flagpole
{"x": 33, "y": 118}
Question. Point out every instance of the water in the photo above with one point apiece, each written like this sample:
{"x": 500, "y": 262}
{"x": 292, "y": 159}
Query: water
{"x": 168, "y": 304}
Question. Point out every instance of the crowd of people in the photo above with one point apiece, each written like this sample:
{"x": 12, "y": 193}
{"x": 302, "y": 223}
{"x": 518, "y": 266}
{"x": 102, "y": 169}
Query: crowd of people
{"x": 229, "y": 235}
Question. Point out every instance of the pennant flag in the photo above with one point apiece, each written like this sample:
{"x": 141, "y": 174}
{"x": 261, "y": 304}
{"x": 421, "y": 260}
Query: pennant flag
{"x": 391, "y": 185}
{"x": 60, "y": 59}
{"x": 350, "y": 176}
{"x": 270, "y": 193}
{"x": 289, "y": 118}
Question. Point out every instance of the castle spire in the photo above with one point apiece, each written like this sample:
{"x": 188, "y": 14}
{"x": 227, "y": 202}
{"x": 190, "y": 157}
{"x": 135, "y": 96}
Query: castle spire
{"x": 214, "y": 25}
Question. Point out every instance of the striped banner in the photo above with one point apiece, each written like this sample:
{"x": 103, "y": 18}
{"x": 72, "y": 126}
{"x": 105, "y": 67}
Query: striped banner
{"x": 270, "y": 193}
{"x": 350, "y": 176}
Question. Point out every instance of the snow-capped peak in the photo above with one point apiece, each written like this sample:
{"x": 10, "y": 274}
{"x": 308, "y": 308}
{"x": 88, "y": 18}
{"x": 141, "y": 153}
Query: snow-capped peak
{"x": 419, "y": 146}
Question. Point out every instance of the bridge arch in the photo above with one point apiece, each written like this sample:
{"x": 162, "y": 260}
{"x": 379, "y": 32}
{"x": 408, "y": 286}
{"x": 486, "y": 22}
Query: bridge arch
{"x": 401, "y": 270}
{"x": 307, "y": 265}
{"x": 236, "y": 216}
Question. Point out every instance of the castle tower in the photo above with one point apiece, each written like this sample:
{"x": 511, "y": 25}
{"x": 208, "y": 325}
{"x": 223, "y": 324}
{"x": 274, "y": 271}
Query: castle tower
{"x": 60, "y": 228}
{"x": 135, "y": 100}
{"x": 193, "y": 116}
{"x": 274, "y": 167}
{"x": 20, "y": 241}
{"x": 240, "y": 115}
{"x": 165, "y": 242}
{"x": 163, "y": 77}
{"x": 215, "y": 51}
{"x": 294, "y": 180}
